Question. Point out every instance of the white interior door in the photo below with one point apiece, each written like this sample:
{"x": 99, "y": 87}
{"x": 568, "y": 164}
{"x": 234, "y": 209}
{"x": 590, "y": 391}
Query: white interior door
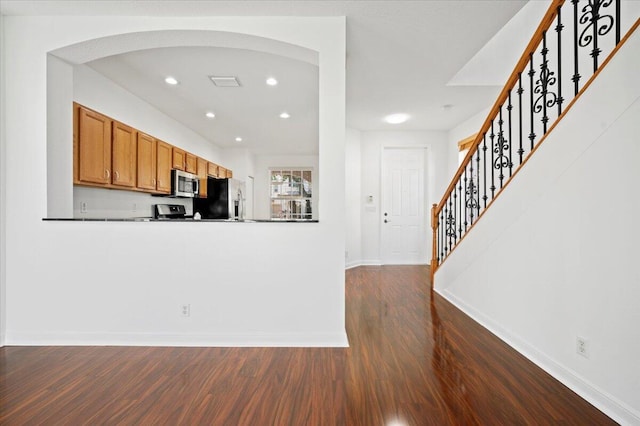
{"x": 249, "y": 198}
{"x": 403, "y": 236}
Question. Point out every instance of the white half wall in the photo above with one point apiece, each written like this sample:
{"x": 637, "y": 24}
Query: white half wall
{"x": 124, "y": 283}
{"x": 556, "y": 256}
{"x": 372, "y": 145}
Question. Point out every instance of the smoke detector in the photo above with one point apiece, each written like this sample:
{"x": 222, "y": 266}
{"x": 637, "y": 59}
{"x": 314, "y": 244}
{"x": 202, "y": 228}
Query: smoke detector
{"x": 224, "y": 81}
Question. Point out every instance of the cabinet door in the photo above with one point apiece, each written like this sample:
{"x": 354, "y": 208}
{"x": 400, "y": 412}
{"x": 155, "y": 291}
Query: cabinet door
{"x": 222, "y": 172}
{"x": 202, "y": 171}
{"x": 147, "y": 162}
{"x": 229, "y": 173}
{"x": 190, "y": 163}
{"x": 212, "y": 169}
{"x": 94, "y": 147}
{"x": 178, "y": 160}
{"x": 123, "y": 155}
{"x": 163, "y": 178}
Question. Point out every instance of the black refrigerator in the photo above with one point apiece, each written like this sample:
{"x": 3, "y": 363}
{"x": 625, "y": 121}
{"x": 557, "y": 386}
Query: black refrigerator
{"x": 225, "y": 200}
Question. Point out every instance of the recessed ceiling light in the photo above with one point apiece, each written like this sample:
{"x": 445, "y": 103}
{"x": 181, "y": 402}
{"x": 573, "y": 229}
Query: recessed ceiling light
{"x": 238, "y": 139}
{"x": 272, "y": 81}
{"x": 170, "y": 80}
{"x": 285, "y": 115}
{"x": 396, "y": 118}
{"x": 210, "y": 114}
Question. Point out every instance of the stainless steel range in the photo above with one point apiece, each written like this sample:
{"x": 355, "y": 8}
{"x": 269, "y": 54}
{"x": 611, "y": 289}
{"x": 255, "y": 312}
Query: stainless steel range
{"x": 170, "y": 212}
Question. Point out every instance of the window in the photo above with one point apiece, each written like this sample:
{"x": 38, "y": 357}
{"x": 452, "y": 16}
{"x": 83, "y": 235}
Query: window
{"x": 291, "y": 191}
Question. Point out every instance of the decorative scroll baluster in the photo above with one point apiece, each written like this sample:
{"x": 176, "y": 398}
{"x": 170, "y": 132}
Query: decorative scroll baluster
{"x": 576, "y": 74}
{"x": 520, "y": 90}
{"x": 501, "y": 145}
{"x": 598, "y": 24}
{"x": 559, "y": 28}
{"x": 460, "y": 205}
{"x": 493, "y": 185}
{"x": 532, "y": 135}
{"x": 466, "y": 193}
{"x": 478, "y": 179}
{"x": 509, "y": 108}
{"x": 546, "y": 98}
{"x": 484, "y": 151}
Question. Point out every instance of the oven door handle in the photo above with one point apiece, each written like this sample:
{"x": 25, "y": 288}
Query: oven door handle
{"x": 197, "y": 187}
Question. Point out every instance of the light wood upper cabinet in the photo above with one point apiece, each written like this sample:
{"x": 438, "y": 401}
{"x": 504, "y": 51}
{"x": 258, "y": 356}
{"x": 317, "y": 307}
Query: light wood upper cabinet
{"x": 202, "y": 172}
{"x": 147, "y": 162}
{"x": 164, "y": 156}
{"x": 110, "y": 154}
{"x": 93, "y": 147}
{"x": 212, "y": 169}
{"x": 123, "y": 155}
{"x": 190, "y": 162}
{"x": 178, "y": 159}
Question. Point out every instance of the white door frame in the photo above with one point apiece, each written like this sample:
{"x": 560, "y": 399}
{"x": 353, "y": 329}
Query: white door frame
{"x": 426, "y": 190}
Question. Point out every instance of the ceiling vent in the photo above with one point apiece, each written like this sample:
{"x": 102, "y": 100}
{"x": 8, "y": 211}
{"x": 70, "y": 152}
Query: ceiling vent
{"x": 225, "y": 81}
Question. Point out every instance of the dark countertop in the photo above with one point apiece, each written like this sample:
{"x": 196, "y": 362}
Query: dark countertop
{"x": 149, "y": 219}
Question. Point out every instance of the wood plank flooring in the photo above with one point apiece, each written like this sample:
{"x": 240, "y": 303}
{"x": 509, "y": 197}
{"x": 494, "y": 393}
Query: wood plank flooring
{"x": 414, "y": 359}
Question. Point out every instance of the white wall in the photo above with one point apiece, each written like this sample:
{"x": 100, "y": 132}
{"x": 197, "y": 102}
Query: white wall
{"x": 372, "y": 144}
{"x": 354, "y": 200}
{"x": 556, "y": 256}
{"x": 123, "y": 283}
{"x": 262, "y": 200}
{"x": 2, "y": 190}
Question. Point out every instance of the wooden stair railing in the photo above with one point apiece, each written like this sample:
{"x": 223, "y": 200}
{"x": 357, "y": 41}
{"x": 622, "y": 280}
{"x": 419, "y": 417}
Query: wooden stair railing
{"x": 556, "y": 67}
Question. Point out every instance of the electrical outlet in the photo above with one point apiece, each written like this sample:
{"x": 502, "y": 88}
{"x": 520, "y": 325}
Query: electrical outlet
{"x": 186, "y": 310}
{"x": 346, "y": 255}
{"x": 135, "y": 208}
{"x": 83, "y": 207}
{"x": 582, "y": 347}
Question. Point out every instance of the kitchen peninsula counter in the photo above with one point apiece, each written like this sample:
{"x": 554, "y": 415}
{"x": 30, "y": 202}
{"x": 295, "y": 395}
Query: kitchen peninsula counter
{"x": 149, "y": 219}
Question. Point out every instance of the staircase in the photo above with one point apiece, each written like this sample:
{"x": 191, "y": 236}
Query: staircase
{"x": 554, "y": 252}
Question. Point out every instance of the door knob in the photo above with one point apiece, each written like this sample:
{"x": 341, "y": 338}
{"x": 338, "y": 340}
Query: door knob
{"x": 385, "y": 213}
{"x": 385, "y": 221}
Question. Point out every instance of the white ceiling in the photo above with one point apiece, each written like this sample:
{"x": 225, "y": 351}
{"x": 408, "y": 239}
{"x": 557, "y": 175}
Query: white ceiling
{"x": 250, "y": 111}
{"x": 401, "y": 55}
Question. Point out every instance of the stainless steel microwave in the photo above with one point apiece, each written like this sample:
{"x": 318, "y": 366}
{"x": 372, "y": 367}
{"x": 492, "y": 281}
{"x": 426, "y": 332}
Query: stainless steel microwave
{"x": 184, "y": 184}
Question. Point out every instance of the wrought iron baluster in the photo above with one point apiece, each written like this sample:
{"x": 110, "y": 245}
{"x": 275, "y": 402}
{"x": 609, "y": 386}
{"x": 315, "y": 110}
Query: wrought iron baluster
{"x": 595, "y": 16}
{"x": 471, "y": 191}
{"x": 532, "y": 135}
{"x": 599, "y": 23}
{"x": 499, "y": 148}
{"x": 544, "y": 75}
{"x": 576, "y": 44}
{"x": 493, "y": 185}
{"x": 460, "y": 205}
{"x": 509, "y": 108}
{"x": 465, "y": 199}
{"x": 484, "y": 169}
{"x": 455, "y": 216}
{"x": 559, "y": 28}
{"x": 520, "y": 90}
{"x": 478, "y": 179}
{"x": 617, "y": 22}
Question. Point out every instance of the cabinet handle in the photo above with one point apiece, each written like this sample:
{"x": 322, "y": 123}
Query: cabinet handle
{"x": 107, "y": 173}
{"x": 117, "y": 175}
{"x": 154, "y": 181}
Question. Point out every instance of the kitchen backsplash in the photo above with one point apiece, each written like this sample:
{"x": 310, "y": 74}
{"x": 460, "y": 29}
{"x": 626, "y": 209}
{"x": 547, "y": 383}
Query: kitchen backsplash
{"x": 102, "y": 203}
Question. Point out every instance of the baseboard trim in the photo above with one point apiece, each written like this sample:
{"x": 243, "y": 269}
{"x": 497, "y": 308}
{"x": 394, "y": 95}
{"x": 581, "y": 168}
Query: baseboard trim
{"x": 333, "y": 340}
{"x": 612, "y": 407}
{"x": 355, "y": 263}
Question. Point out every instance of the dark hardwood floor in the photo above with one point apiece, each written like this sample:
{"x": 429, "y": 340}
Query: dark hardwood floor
{"x": 414, "y": 360}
